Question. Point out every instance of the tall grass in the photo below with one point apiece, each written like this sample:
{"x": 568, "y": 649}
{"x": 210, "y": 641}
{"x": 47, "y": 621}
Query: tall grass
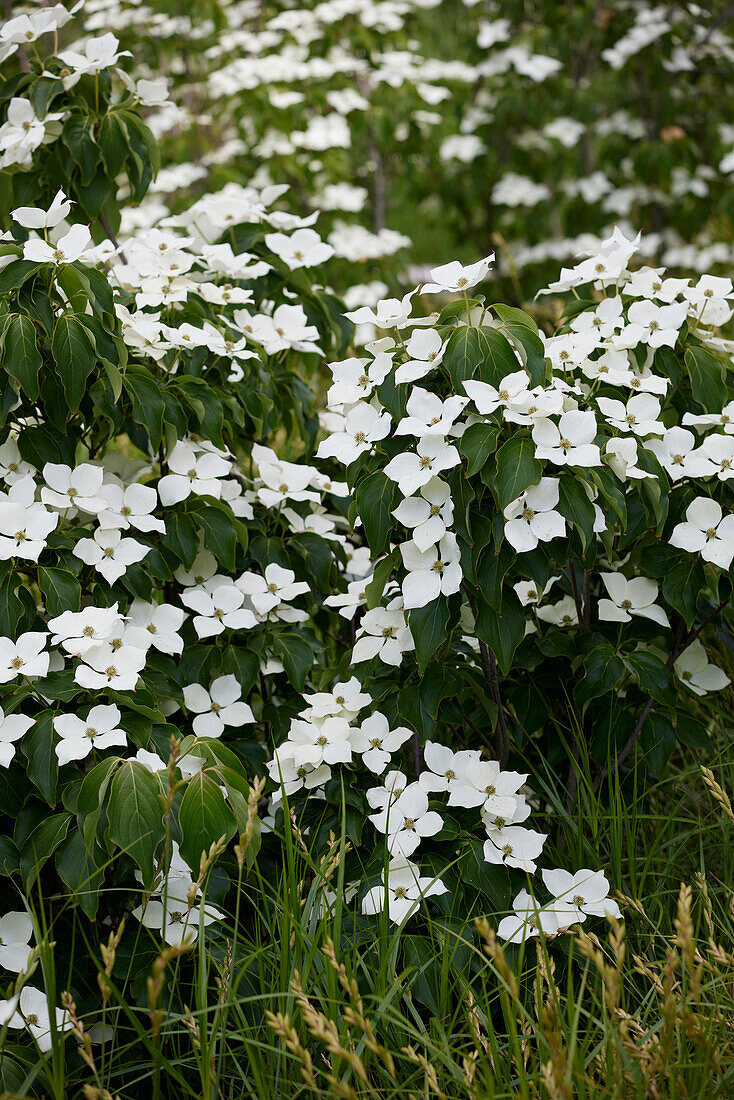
{"x": 300, "y": 996}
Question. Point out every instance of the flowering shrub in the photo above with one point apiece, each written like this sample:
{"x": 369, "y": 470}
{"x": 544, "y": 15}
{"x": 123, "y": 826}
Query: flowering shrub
{"x": 504, "y": 547}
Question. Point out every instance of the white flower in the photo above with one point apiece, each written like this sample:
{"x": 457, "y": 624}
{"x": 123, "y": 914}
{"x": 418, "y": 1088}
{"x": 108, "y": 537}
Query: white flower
{"x": 514, "y": 846}
{"x": 290, "y": 776}
{"x": 218, "y": 610}
{"x": 576, "y": 896}
{"x": 706, "y": 532}
{"x": 431, "y": 573}
{"x": 32, "y": 218}
{"x": 192, "y": 473}
{"x": 105, "y": 666}
{"x": 639, "y": 415}
{"x": 454, "y": 277}
{"x": 426, "y": 352}
{"x": 693, "y": 668}
{"x": 99, "y": 730}
{"x": 33, "y": 1014}
{"x": 512, "y": 389}
{"x": 67, "y": 250}
{"x": 355, "y": 379}
{"x": 24, "y": 525}
{"x": 414, "y": 470}
{"x": 345, "y": 700}
{"x": 656, "y": 326}
{"x": 267, "y": 592}
{"x": 401, "y": 891}
{"x": 376, "y": 741}
{"x": 160, "y": 621}
{"x": 528, "y": 919}
{"x": 79, "y": 631}
{"x": 364, "y": 425}
{"x": 218, "y": 707}
{"x": 406, "y": 820}
{"x": 428, "y": 415}
{"x": 719, "y": 450}
{"x": 96, "y": 54}
{"x": 532, "y": 517}
{"x": 347, "y": 603}
{"x": 562, "y": 613}
{"x": 446, "y": 768}
{"x": 326, "y": 741}
{"x": 428, "y": 515}
{"x": 24, "y": 657}
{"x": 621, "y": 455}
{"x": 485, "y": 784}
{"x": 16, "y": 929}
{"x": 388, "y": 313}
{"x": 304, "y": 248}
{"x": 177, "y": 920}
{"x": 675, "y": 453}
{"x": 570, "y": 442}
{"x": 529, "y": 593}
{"x": 281, "y": 480}
{"x": 130, "y": 507}
{"x": 628, "y": 598}
{"x": 12, "y": 467}
{"x": 12, "y": 728}
{"x": 724, "y": 419}
{"x": 110, "y": 553}
{"x": 383, "y": 633}
{"x": 78, "y": 488}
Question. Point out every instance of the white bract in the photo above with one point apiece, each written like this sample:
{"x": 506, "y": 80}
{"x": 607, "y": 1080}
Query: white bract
{"x": 706, "y": 531}
{"x": 218, "y": 707}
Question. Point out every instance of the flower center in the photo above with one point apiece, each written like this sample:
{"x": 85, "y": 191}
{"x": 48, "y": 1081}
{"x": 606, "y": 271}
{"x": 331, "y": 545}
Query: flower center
{"x": 322, "y": 740}
{"x": 438, "y": 566}
{"x": 32, "y": 1020}
{"x": 71, "y": 492}
{"x": 425, "y": 463}
{"x": 376, "y": 743}
{"x": 435, "y": 509}
{"x": 401, "y": 892}
{"x": 506, "y": 849}
{"x": 711, "y": 533}
{"x": 359, "y": 437}
{"x": 409, "y": 823}
{"x": 449, "y": 774}
{"x": 17, "y": 662}
{"x": 528, "y": 514}
{"x": 565, "y": 444}
{"x": 272, "y": 588}
{"x": 626, "y": 605}
{"x": 578, "y": 901}
{"x": 125, "y": 511}
{"x": 110, "y": 672}
{"x": 91, "y": 733}
{"x": 216, "y": 707}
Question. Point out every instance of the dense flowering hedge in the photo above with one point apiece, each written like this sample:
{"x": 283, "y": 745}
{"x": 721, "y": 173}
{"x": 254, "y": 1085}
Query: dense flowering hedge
{"x": 217, "y": 625}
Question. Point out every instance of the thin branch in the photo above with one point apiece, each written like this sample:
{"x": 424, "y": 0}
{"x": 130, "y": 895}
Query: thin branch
{"x": 489, "y": 666}
{"x": 575, "y": 589}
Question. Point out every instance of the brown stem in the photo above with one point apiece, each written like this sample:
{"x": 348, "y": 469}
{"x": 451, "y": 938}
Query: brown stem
{"x": 489, "y": 666}
{"x": 587, "y": 600}
{"x": 575, "y": 588}
{"x": 110, "y": 235}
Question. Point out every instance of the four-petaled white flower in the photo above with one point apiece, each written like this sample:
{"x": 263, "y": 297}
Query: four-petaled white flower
{"x": 401, "y": 891}
{"x": 266, "y": 593}
{"x": 99, "y": 730}
{"x": 218, "y": 707}
{"x": 24, "y": 524}
{"x": 532, "y": 517}
{"x": 425, "y": 349}
{"x": 383, "y": 633}
{"x": 430, "y": 573}
{"x": 110, "y": 553}
{"x": 304, "y": 248}
{"x": 192, "y": 472}
{"x": 78, "y": 488}
{"x": 453, "y": 277}
{"x": 694, "y": 669}
{"x": 33, "y": 1014}
{"x": 67, "y": 250}
{"x": 514, "y": 846}
{"x": 363, "y": 426}
{"x": 576, "y": 896}
{"x": 639, "y": 415}
{"x": 628, "y": 598}
{"x": 429, "y": 415}
{"x": 222, "y": 609}
{"x": 570, "y": 442}
{"x": 413, "y": 470}
{"x": 406, "y": 820}
{"x": 428, "y": 514}
{"x": 130, "y": 507}
{"x": 376, "y": 742}
{"x": 513, "y": 389}
{"x": 528, "y": 919}
{"x": 706, "y": 531}
{"x": 26, "y": 656}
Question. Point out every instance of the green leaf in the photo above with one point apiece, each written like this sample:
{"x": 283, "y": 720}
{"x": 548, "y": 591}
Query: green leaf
{"x": 147, "y": 402}
{"x": 707, "y": 376}
{"x": 603, "y": 672}
{"x": 75, "y": 355}
{"x": 218, "y": 527}
{"x": 41, "y": 845}
{"x": 204, "y": 818}
{"x": 504, "y": 631}
{"x": 478, "y": 442}
{"x": 576, "y": 508}
{"x": 38, "y": 748}
{"x": 374, "y": 497}
{"x": 429, "y": 626}
{"x": 517, "y": 469}
{"x": 657, "y": 741}
{"x": 60, "y": 588}
{"x": 682, "y": 586}
{"x": 297, "y": 657}
{"x": 653, "y": 676}
{"x": 482, "y": 353}
{"x": 135, "y": 815}
{"x": 21, "y": 358}
{"x": 80, "y": 873}
{"x": 382, "y": 572}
